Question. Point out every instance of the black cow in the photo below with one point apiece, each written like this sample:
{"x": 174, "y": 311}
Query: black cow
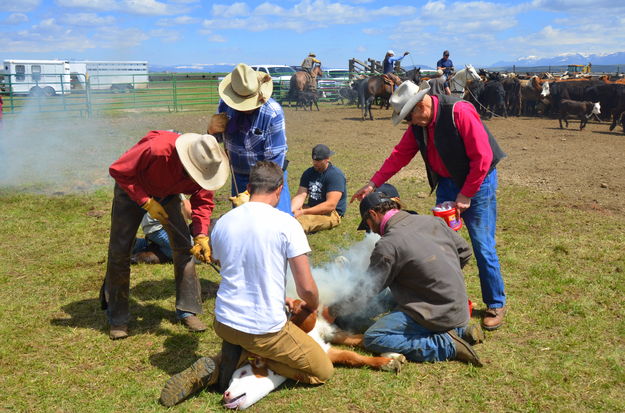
{"x": 582, "y": 110}
{"x": 612, "y": 99}
{"x": 306, "y": 99}
{"x": 488, "y": 98}
{"x": 512, "y": 88}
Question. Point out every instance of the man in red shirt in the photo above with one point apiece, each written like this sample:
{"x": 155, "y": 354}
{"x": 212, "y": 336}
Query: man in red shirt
{"x": 460, "y": 157}
{"x": 149, "y": 177}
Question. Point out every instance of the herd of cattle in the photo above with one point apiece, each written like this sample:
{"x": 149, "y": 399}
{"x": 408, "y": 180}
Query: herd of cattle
{"x": 531, "y": 95}
{"x": 548, "y": 96}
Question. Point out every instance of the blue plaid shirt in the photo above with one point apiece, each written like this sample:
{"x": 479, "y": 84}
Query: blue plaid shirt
{"x": 259, "y": 136}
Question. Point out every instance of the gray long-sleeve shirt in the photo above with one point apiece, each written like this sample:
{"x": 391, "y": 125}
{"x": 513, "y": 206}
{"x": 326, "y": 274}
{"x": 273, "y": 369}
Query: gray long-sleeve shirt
{"x": 420, "y": 259}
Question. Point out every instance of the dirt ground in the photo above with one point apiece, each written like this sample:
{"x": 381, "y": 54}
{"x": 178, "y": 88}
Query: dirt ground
{"x": 585, "y": 167}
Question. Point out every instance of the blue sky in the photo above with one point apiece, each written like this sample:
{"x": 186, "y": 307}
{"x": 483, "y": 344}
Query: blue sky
{"x": 175, "y": 32}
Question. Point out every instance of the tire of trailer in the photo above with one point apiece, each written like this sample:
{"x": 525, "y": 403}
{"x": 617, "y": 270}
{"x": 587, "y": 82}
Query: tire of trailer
{"x": 35, "y": 91}
{"x": 49, "y": 91}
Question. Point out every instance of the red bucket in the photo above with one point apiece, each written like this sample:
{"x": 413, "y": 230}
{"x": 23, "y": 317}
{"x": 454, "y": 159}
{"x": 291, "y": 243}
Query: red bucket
{"x": 447, "y": 210}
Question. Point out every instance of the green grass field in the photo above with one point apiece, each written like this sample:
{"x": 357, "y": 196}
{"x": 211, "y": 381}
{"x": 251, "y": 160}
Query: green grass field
{"x": 562, "y": 347}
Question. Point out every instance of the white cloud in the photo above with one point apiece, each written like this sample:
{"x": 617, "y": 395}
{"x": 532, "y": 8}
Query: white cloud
{"x": 180, "y": 20}
{"x": 41, "y": 42}
{"x": 269, "y": 9}
{"x": 140, "y": 7}
{"x": 166, "y": 35}
{"x": 87, "y": 19}
{"x": 15, "y": 18}
{"x": 372, "y": 31}
{"x": 18, "y": 5}
{"x": 103, "y": 5}
{"x": 303, "y": 16}
{"x": 233, "y": 10}
{"x": 119, "y": 38}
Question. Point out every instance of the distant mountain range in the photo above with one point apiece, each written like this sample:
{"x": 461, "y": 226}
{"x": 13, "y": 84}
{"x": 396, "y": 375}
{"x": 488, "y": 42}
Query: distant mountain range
{"x": 611, "y": 59}
{"x": 564, "y": 59}
{"x": 220, "y": 68}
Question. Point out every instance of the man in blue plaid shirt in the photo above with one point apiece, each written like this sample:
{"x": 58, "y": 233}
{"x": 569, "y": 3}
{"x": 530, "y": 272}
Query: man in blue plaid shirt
{"x": 256, "y": 128}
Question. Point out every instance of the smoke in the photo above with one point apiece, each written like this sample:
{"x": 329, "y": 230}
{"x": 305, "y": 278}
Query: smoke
{"x": 341, "y": 278}
{"x": 56, "y": 151}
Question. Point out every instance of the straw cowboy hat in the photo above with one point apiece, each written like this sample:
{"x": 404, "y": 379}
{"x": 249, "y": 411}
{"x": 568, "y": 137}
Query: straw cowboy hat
{"x": 203, "y": 159}
{"x": 245, "y": 89}
{"x": 405, "y": 97}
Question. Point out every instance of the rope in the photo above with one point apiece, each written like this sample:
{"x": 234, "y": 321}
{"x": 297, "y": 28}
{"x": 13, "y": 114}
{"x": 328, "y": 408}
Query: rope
{"x": 482, "y": 106}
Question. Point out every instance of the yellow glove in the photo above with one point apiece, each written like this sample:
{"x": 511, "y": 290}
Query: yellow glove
{"x": 217, "y": 124}
{"x": 240, "y": 199}
{"x": 156, "y": 211}
{"x": 201, "y": 250}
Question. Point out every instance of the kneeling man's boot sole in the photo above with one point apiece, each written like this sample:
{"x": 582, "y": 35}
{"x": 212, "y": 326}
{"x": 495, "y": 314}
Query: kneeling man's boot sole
{"x": 188, "y": 382}
{"x": 464, "y": 351}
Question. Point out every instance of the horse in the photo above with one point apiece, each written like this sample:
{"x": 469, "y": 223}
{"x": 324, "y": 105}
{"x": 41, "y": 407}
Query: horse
{"x": 371, "y": 88}
{"x": 458, "y": 81}
{"x": 301, "y": 81}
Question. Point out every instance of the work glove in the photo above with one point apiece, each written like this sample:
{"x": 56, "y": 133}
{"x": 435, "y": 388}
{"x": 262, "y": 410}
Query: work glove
{"x": 217, "y": 124}
{"x": 156, "y": 211}
{"x": 406, "y": 53}
{"x": 201, "y": 250}
{"x": 240, "y": 199}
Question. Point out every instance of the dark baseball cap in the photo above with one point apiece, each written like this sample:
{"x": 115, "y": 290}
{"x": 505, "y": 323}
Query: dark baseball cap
{"x": 321, "y": 152}
{"x": 369, "y": 202}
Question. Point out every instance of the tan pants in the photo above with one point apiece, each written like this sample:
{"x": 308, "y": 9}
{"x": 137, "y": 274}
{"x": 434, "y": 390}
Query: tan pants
{"x": 290, "y": 352}
{"x": 314, "y": 223}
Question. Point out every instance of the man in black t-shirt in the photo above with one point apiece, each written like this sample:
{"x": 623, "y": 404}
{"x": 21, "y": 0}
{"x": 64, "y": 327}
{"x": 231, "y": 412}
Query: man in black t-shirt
{"x": 325, "y": 187}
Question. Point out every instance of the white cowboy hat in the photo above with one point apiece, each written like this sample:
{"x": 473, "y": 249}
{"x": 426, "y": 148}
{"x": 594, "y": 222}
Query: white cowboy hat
{"x": 405, "y": 97}
{"x": 245, "y": 89}
{"x": 203, "y": 159}
{"x": 390, "y": 52}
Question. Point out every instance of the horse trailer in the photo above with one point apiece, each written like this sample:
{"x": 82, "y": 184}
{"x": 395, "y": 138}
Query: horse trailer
{"x": 114, "y": 75}
{"x": 36, "y": 77}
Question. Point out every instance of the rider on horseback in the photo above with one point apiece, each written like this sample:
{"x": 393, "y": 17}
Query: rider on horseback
{"x": 307, "y": 66}
{"x": 388, "y": 68}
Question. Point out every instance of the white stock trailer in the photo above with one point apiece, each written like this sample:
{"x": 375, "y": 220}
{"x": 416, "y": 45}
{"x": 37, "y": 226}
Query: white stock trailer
{"x": 114, "y": 75}
{"x": 36, "y": 77}
{"x": 52, "y": 77}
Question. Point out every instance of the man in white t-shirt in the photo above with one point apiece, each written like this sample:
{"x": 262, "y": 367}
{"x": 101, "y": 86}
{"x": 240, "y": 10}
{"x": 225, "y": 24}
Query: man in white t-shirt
{"x": 254, "y": 242}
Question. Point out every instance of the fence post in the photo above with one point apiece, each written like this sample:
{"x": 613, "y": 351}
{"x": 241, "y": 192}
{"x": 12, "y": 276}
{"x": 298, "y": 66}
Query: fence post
{"x": 63, "y": 93}
{"x": 175, "y": 92}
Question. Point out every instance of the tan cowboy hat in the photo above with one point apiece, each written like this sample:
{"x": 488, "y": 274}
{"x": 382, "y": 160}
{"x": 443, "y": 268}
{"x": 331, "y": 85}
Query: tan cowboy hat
{"x": 203, "y": 159}
{"x": 405, "y": 97}
{"x": 390, "y": 52}
{"x": 311, "y": 54}
{"x": 245, "y": 89}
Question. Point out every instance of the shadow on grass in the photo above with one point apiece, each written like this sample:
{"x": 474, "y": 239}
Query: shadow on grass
{"x": 145, "y": 318}
{"x": 180, "y": 352}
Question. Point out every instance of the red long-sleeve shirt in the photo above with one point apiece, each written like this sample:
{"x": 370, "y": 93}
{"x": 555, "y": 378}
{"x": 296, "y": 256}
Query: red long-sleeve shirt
{"x": 152, "y": 168}
{"x": 473, "y": 135}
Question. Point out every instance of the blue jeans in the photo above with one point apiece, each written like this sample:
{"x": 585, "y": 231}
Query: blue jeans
{"x": 399, "y": 333}
{"x": 284, "y": 204}
{"x": 159, "y": 238}
{"x": 481, "y": 220}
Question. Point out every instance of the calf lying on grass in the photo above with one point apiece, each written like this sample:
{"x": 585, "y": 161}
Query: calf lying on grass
{"x": 252, "y": 382}
{"x": 583, "y": 111}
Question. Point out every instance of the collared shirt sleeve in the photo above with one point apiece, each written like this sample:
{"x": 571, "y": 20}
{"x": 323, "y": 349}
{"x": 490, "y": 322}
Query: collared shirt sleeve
{"x": 126, "y": 169}
{"x": 202, "y": 205}
{"x": 476, "y": 144}
{"x": 275, "y": 143}
{"x": 401, "y": 155}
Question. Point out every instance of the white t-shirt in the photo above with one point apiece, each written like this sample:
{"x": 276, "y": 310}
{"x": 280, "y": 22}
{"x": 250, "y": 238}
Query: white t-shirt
{"x": 253, "y": 243}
